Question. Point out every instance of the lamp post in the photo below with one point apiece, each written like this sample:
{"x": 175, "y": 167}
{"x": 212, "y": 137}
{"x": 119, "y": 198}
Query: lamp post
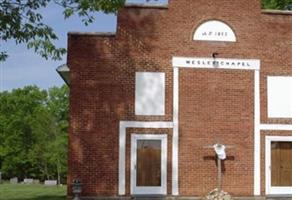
{"x": 76, "y": 189}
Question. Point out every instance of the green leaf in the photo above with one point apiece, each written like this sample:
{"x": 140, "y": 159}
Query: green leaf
{"x": 21, "y": 21}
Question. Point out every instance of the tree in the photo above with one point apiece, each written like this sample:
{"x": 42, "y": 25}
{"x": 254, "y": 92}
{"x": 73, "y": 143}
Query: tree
{"x": 276, "y": 4}
{"x": 58, "y": 106}
{"x": 33, "y": 133}
{"x": 17, "y": 111}
{"x": 21, "y": 21}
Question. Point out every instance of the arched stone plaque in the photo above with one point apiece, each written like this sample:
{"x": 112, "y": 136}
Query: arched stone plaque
{"x": 214, "y": 30}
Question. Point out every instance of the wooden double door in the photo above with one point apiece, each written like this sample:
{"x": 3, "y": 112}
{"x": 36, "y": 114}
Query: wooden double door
{"x": 148, "y": 164}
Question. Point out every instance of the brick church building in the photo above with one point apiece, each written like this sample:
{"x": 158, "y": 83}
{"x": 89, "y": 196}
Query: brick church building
{"x": 147, "y": 101}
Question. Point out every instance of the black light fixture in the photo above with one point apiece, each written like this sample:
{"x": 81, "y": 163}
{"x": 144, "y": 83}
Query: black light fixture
{"x": 215, "y": 54}
{"x": 76, "y": 189}
{"x": 215, "y": 63}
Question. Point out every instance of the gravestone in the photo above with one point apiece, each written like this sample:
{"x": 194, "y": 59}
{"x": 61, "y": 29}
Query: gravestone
{"x": 14, "y": 180}
{"x": 28, "y": 181}
{"x": 36, "y": 181}
{"x": 51, "y": 182}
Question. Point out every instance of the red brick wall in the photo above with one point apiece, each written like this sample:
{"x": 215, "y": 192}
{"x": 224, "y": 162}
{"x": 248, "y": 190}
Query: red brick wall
{"x": 214, "y": 105}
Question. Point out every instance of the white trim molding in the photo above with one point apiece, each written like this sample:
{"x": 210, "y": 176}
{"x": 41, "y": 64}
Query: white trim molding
{"x": 280, "y": 127}
{"x": 257, "y": 135}
{"x": 122, "y": 146}
{"x": 175, "y": 136}
{"x": 141, "y": 190}
{"x": 269, "y": 188}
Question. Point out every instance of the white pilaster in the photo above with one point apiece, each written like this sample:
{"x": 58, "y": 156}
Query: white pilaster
{"x": 175, "y": 136}
{"x": 257, "y": 137}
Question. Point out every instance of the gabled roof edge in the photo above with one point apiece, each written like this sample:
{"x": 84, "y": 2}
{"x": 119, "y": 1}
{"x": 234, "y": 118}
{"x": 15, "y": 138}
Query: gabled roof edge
{"x": 102, "y": 34}
{"x": 146, "y": 5}
{"x": 63, "y": 71}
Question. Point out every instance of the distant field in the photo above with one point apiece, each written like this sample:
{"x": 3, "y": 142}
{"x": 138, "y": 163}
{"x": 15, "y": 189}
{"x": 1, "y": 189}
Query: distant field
{"x": 32, "y": 192}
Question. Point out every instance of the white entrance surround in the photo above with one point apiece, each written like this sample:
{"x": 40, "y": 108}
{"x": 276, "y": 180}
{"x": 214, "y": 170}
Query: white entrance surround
{"x": 137, "y": 190}
{"x": 207, "y": 63}
{"x": 122, "y": 146}
{"x": 257, "y": 135}
{"x": 175, "y": 134}
{"x": 269, "y": 188}
{"x": 275, "y": 127}
{"x": 232, "y": 64}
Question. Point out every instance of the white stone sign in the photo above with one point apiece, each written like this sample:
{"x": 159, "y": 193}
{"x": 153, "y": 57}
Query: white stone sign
{"x": 214, "y": 63}
{"x": 214, "y": 30}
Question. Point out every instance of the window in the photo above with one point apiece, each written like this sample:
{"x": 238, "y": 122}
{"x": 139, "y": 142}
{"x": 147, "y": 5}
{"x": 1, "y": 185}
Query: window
{"x": 150, "y": 93}
{"x": 279, "y": 97}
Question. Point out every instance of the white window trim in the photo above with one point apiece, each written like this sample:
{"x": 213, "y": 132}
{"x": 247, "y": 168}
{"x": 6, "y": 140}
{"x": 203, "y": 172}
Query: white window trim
{"x": 270, "y": 190}
{"x": 280, "y": 127}
{"x": 161, "y": 190}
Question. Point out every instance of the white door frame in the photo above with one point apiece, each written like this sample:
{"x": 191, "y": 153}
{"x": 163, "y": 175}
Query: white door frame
{"x": 162, "y": 190}
{"x": 269, "y": 188}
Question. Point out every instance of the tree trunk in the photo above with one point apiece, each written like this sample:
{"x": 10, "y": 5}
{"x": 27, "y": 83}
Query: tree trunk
{"x": 46, "y": 171}
{"x": 58, "y": 172}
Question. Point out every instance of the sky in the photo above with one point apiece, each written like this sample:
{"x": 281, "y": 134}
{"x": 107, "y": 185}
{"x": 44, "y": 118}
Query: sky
{"x": 24, "y": 67}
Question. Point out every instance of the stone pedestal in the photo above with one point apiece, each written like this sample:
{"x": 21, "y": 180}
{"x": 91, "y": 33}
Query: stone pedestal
{"x": 218, "y": 195}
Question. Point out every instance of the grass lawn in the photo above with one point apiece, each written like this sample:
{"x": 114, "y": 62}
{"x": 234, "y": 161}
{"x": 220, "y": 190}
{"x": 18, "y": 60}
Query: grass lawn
{"x": 31, "y": 192}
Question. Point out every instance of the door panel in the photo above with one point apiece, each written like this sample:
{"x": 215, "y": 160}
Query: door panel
{"x": 275, "y": 163}
{"x": 149, "y": 163}
{"x": 281, "y": 164}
